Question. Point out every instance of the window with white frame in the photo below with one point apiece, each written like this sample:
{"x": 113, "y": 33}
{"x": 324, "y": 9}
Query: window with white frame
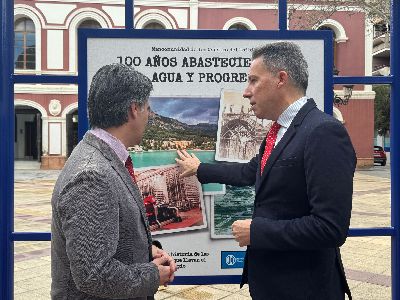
{"x": 24, "y": 44}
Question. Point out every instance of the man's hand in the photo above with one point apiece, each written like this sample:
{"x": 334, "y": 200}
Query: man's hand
{"x": 241, "y": 232}
{"x": 164, "y": 270}
{"x": 156, "y": 252}
{"x": 160, "y": 256}
{"x": 189, "y": 163}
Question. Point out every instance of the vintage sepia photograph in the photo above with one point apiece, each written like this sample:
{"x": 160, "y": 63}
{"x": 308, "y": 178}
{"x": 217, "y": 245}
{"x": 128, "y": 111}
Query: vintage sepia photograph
{"x": 240, "y": 133}
{"x": 236, "y": 204}
{"x": 172, "y": 204}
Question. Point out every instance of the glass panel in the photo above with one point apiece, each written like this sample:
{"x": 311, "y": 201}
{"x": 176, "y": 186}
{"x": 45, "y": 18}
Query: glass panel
{"x": 32, "y": 270}
{"x": 19, "y": 43}
{"x": 20, "y": 58}
{"x": 30, "y": 54}
{"x": 30, "y": 27}
{"x": 33, "y": 188}
{"x": 30, "y": 39}
{"x": 372, "y": 183}
{"x": 20, "y": 25}
{"x": 367, "y": 263}
{"x": 153, "y": 25}
{"x": 238, "y": 27}
{"x": 39, "y": 157}
{"x": 356, "y": 33}
{"x": 19, "y": 65}
{"x": 30, "y": 57}
{"x": 371, "y": 197}
{"x": 18, "y": 36}
{"x": 30, "y": 65}
{"x": 17, "y": 52}
{"x": 89, "y": 24}
{"x": 382, "y": 112}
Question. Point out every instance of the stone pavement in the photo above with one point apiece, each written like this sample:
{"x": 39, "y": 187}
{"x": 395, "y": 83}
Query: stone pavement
{"x": 366, "y": 259}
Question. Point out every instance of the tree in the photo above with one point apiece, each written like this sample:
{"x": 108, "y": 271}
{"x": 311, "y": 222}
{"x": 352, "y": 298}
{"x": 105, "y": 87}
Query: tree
{"x": 302, "y": 16}
{"x": 382, "y": 108}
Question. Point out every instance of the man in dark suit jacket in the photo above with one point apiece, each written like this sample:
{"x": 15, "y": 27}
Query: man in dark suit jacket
{"x": 303, "y": 196}
{"x": 101, "y": 245}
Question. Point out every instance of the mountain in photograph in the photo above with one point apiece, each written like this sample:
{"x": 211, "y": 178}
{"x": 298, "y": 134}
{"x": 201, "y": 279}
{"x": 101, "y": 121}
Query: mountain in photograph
{"x": 164, "y": 133}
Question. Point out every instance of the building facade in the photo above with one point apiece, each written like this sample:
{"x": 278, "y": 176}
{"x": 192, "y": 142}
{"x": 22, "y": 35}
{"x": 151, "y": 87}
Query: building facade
{"x": 46, "y": 43}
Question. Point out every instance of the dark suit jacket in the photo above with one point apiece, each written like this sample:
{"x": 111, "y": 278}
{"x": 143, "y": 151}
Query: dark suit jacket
{"x": 301, "y": 211}
{"x": 101, "y": 242}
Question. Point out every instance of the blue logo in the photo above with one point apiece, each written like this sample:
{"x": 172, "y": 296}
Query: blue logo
{"x": 232, "y": 259}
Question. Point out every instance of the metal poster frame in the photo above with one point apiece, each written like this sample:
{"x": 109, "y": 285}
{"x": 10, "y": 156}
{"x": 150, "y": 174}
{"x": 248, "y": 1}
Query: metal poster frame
{"x": 7, "y": 234}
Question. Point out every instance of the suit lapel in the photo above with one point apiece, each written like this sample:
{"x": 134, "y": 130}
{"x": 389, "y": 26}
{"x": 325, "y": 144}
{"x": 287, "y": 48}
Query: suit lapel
{"x": 287, "y": 137}
{"x": 134, "y": 190}
{"x": 123, "y": 173}
{"x": 276, "y": 153}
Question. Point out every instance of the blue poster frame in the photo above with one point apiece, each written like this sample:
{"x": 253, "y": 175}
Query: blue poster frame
{"x": 8, "y": 79}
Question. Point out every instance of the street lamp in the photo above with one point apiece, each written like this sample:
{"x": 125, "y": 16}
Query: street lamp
{"x": 348, "y": 90}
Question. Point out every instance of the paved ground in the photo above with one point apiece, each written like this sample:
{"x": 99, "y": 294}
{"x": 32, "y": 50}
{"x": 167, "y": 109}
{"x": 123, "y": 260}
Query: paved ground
{"x": 366, "y": 259}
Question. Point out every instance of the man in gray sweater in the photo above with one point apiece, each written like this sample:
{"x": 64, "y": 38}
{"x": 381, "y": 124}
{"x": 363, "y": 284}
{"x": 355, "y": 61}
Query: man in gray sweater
{"x": 101, "y": 244}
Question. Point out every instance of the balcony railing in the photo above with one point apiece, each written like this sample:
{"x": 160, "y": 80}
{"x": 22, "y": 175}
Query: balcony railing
{"x": 381, "y": 45}
{"x": 381, "y": 70}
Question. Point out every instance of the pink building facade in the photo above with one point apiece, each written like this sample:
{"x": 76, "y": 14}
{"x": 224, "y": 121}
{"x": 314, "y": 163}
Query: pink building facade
{"x": 46, "y": 43}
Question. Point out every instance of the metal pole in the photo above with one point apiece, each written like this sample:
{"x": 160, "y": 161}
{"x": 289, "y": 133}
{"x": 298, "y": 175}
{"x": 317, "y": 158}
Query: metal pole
{"x": 394, "y": 144}
{"x": 6, "y": 150}
{"x": 282, "y": 15}
{"x": 129, "y": 14}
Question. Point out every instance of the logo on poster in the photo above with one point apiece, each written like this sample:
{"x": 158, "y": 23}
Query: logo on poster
{"x": 232, "y": 259}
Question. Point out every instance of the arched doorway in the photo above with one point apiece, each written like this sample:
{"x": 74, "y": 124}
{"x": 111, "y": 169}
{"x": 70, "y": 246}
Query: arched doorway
{"x": 71, "y": 120}
{"x": 28, "y": 133}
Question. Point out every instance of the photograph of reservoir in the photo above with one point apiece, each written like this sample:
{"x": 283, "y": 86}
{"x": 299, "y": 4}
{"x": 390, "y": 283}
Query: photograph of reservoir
{"x": 236, "y": 204}
{"x": 181, "y": 123}
{"x": 156, "y": 158}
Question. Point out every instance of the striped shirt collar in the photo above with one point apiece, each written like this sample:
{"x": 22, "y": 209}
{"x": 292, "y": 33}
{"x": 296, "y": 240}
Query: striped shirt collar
{"x": 286, "y": 118}
{"x": 113, "y": 142}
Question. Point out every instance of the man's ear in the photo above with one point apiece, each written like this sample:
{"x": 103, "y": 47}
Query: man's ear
{"x": 133, "y": 110}
{"x": 283, "y": 78}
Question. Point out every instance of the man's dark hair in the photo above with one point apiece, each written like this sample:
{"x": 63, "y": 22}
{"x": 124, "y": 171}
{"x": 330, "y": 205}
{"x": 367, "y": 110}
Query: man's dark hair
{"x": 112, "y": 91}
{"x": 285, "y": 56}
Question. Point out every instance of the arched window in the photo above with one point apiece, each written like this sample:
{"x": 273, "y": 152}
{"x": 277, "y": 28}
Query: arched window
{"x": 153, "y": 25}
{"x": 90, "y": 18}
{"x": 24, "y": 44}
{"x": 238, "y": 26}
{"x": 92, "y": 24}
{"x": 239, "y": 23}
{"x": 335, "y": 70}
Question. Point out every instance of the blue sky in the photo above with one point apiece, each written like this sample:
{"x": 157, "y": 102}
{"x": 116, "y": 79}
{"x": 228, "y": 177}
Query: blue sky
{"x": 187, "y": 110}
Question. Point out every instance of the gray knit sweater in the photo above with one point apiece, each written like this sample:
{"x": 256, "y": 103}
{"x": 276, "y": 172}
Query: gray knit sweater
{"x": 101, "y": 242}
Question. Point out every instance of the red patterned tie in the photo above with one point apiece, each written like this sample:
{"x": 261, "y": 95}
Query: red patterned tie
{"x": 129, "y": 166}
{"x": 269, "y": 145}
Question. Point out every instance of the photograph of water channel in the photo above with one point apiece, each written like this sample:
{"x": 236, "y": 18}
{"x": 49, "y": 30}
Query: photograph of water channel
{"x": 236, "y": 204}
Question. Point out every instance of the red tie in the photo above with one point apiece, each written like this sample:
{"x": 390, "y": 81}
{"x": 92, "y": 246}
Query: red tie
{"x": 129, "y": 166}
{"x": 269, "y": 145}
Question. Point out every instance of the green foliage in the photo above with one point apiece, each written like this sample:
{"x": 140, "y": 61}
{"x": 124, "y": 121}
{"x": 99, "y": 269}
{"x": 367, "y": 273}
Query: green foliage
{"x": 382, "y": 108}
